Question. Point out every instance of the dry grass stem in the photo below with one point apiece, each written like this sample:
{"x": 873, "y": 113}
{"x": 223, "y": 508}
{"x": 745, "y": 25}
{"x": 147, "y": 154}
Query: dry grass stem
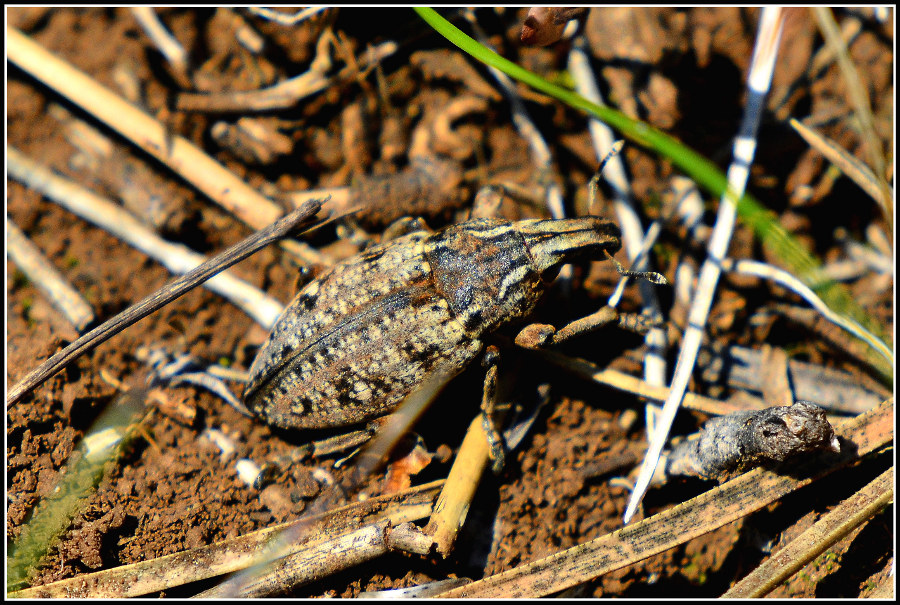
{"x": 858, "y": 172}
{"x": 180, "y": 155}
{"x": 860, "y": 100}
{"x": 233, "y": 555}
{"x": 762, "y": 66}
{"x": 317, "y": 550}
{"x": 636, "y": 386}
{"x": 847, "y": 516}
{"x": 107, "y": 215}
{"x": 64, "y": 297}
{"x": 785, "y": 279}
{"x": 159, "y": 299}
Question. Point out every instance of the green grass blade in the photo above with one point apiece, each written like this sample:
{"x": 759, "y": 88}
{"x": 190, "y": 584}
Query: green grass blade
{"x": 705, "y": 173}
{"x": 54, "y": 513}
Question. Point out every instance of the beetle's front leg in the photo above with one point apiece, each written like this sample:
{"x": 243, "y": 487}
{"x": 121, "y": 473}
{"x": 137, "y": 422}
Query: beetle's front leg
{"x": 536, "y": 336}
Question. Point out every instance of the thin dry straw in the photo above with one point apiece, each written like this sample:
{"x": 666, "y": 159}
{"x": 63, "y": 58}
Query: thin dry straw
{"x": 783, "y": 278}
{"x": 177, "y": 153}
{"x": 234, "y": 554}
{"x": 860, "y": 101}
{"x": 113, "y": 218}
{"x": 628, "y": 219}
{"x": 857, "y": 171}
{"x": 762, "y": 66}
{"x": 44, "y": 275}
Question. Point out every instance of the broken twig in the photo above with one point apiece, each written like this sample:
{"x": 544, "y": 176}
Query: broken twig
{"x": 232, "y": 555}
{"x": 677, "y": 525}
{"x": 737, "y": 442}
{"x": 161, "y": 298}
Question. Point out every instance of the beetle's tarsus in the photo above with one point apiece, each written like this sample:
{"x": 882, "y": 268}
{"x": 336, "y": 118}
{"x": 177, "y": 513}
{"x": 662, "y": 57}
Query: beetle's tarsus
{"x": 488, "y": 407}
{"x": 536, "y": 336}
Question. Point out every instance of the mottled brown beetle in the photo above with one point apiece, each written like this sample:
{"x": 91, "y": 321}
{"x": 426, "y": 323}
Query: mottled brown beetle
{"x": 354, "y": 342}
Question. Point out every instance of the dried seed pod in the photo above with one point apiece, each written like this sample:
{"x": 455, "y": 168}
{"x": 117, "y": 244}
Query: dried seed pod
{"x": 353, "y": 343}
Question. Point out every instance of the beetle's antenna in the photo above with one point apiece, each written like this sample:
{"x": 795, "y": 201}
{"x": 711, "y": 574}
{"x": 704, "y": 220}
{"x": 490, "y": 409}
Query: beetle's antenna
{"x": 651, "y": 276}
{"x": 594, "y": 184}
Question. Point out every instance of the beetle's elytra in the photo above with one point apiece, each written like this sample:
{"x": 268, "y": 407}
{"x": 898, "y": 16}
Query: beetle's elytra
{"x": 354, "y": 342}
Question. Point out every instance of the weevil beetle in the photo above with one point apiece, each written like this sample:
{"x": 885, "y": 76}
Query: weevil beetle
{"x": 354, "y": 342}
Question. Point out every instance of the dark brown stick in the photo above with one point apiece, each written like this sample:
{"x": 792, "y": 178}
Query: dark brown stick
{"x": 162, "y": 297}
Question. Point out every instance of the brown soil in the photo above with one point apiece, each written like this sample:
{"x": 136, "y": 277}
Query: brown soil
{"x": 680, "y": 70}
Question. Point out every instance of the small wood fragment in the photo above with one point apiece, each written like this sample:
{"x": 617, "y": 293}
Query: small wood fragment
{"x": 737, "y": 442}
{"x": 428, "y": 187}
{"x": 776, "y": 377}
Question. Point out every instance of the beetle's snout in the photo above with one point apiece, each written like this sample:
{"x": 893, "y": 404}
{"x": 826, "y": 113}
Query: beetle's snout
{"x": 556, "y": 241}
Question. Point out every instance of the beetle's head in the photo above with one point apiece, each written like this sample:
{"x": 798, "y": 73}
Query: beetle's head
{"x": 553, "y": 242}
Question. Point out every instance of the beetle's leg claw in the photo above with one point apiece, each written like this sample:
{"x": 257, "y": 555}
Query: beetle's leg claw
{"x": 488, "y": 407}
{"x": 495, "y": 442}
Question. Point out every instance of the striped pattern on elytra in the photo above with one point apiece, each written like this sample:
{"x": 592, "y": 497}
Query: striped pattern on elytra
{"x": 358, "y": 339}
